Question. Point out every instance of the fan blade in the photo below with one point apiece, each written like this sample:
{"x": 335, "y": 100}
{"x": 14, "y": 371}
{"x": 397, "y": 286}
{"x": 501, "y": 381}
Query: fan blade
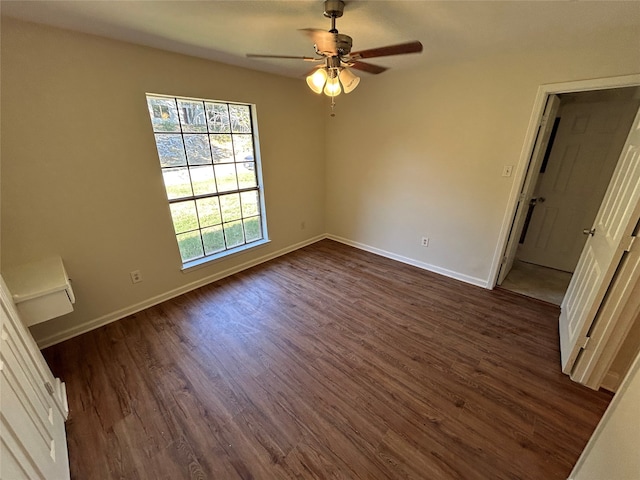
{"x": 306, "y": 59}
{"x": 368, "y": 67}
{"x": 325, "y": 41}
{"x": 410, "y": 47}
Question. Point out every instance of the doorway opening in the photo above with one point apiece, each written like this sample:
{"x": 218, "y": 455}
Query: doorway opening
{"x": 576, "y": 151}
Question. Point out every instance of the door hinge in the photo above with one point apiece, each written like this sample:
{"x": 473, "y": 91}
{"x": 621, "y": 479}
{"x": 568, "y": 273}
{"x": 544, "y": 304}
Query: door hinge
{"x": 630, "y": 243}
{"x": 585, "y": 342}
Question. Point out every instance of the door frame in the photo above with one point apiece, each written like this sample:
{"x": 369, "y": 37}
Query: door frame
{"x": 543, "y": 136}
{"x": 523, "y": 173}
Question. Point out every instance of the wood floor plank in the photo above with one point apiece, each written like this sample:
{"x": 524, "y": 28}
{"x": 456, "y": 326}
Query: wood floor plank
{"x": 328, "y": 362}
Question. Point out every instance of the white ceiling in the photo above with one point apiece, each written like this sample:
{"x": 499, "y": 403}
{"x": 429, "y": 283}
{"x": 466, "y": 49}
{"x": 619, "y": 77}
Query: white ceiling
{"x": 226, "y": 30}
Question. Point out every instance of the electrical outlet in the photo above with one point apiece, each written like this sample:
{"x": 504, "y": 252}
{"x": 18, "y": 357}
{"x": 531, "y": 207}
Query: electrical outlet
{"x": 425, "y": 241}
{"x": 136, "y": 276}
{"x": 506, "y": 170}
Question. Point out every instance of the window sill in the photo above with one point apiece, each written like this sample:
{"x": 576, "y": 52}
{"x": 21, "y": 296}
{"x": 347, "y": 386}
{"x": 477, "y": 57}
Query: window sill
{"x": 204, "y": 261}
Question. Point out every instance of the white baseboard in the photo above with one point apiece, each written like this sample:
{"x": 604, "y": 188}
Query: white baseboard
{"x": 150, "y": 302}
{"x": 137, "y": 307}
{"x": 611, "y": 381}
{"x": 410, "y": 261}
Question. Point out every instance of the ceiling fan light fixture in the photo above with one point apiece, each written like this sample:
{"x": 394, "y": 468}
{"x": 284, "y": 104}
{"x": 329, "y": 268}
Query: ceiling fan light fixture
{"x": 334, "y": 49}
{"x": 317, "y": 80}
{"x": 349, "y": 80}
{"x": 332, "y": 88}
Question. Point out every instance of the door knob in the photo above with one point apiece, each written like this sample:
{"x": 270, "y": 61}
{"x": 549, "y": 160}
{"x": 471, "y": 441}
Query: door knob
{"x": 591, "y": 232}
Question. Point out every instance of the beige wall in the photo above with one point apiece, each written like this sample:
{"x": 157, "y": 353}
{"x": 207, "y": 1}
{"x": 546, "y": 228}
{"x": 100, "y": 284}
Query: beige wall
{"x": 420, "y": 153}
{"x": 410, "y": 154}
{"x": 629, "y": 350}
{"x": 80, "y": 173}
{"x": 612, "y": 450}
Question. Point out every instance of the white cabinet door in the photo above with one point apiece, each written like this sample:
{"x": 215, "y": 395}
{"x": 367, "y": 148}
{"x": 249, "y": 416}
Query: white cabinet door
{"x": 32, "y": 405}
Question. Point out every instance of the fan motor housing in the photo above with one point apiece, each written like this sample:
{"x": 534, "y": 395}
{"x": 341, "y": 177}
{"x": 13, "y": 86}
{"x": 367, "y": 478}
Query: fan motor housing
{"x": 333, "y": 8}
{"x": 343, "y": 43}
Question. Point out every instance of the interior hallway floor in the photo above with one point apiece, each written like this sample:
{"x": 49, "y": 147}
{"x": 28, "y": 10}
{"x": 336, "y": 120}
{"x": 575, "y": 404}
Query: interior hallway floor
{"x": 546, "y": 284}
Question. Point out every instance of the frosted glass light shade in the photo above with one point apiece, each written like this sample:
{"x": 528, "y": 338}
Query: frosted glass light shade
{"x": 317, "y": 80}
{"x": 332, "y": 88}
{"x": 349, "y": 80}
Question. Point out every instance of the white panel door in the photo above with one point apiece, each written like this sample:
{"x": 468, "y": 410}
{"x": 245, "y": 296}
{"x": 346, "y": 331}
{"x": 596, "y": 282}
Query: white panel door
{"x": 613, "y": 323}
{"x": 585, "y": 152}
{"x": 600, "y": 258}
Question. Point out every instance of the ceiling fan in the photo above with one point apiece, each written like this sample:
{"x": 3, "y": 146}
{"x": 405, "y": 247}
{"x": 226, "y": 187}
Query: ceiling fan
{"x": 333, "y": 49}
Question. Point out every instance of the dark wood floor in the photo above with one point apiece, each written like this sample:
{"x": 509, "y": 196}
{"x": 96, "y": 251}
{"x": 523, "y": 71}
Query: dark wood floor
{"x": 328, "y": 362}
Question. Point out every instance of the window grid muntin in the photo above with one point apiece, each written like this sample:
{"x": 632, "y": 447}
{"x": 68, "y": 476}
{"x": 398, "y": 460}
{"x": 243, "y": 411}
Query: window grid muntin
{"x": 242, "y": 220}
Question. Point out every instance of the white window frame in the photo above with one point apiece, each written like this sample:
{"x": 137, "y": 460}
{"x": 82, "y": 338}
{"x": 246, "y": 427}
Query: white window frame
{"x": 197, "y": 198}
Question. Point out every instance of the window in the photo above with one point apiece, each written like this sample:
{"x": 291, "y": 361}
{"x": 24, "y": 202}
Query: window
{"x": 208, "y": 154}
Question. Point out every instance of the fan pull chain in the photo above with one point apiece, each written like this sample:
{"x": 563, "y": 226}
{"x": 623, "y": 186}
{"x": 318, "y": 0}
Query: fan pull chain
{"x": 333, "y": 104}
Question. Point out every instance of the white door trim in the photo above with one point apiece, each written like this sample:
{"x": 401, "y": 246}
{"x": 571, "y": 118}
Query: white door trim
{"x": 544, "y": 91}
{"x": 530, "y": 180}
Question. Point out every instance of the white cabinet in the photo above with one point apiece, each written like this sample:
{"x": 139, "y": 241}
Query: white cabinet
{"x": 33, "y": 404}
{"x": 41, "y": 290}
